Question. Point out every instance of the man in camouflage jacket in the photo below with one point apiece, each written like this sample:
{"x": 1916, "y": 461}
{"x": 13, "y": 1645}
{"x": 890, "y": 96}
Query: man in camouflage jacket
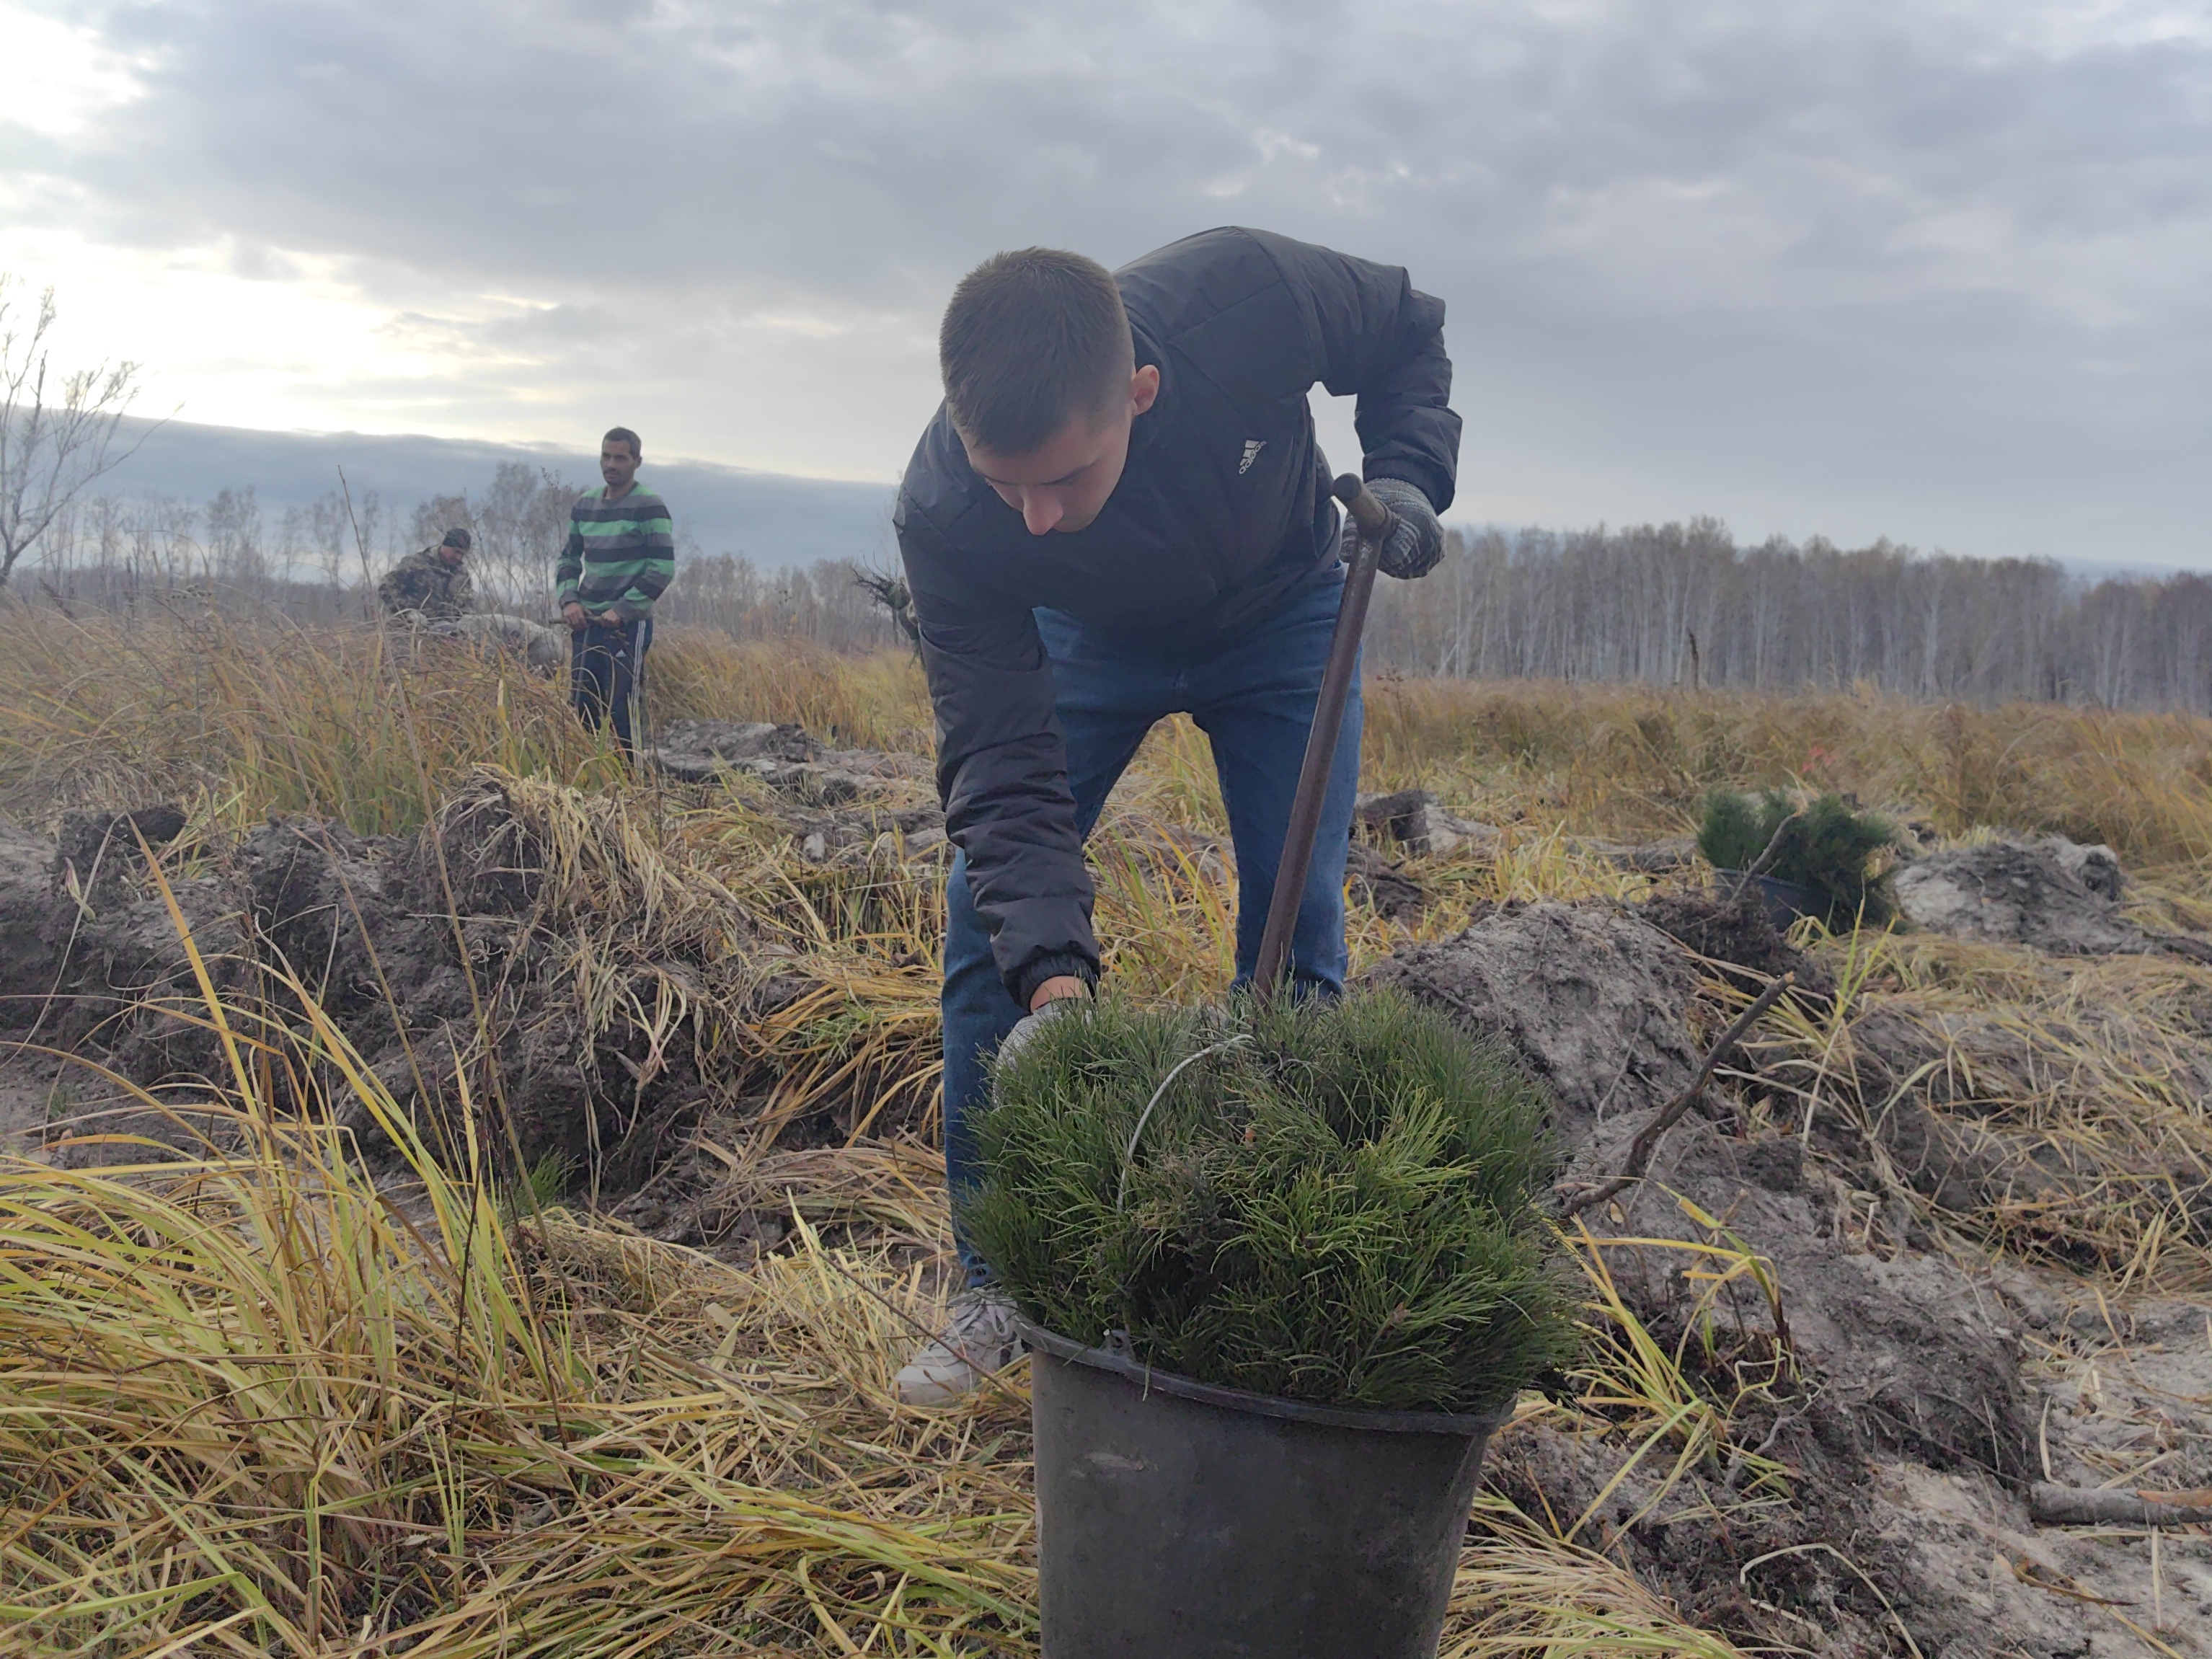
{"x": 434, "y": 582}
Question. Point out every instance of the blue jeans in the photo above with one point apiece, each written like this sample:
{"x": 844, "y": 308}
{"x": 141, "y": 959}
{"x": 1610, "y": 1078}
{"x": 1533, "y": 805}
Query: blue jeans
{"x": 1254, "y": 698}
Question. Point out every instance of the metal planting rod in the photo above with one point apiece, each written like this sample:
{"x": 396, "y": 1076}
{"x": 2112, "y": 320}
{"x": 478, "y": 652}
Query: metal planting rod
{"x": 1374, "y": 520}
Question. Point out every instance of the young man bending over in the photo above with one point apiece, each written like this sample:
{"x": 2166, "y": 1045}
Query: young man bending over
{"x": 1120, "y": 513}
{"x": 621, "y": 554}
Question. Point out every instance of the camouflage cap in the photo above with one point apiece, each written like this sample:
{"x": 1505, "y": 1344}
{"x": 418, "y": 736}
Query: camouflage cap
{"x": 457, "y": 538}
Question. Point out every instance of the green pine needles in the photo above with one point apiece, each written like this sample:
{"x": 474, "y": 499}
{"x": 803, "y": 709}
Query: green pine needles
{"x": 1332, "y": 1206}
{"x": 1829, "y": 848}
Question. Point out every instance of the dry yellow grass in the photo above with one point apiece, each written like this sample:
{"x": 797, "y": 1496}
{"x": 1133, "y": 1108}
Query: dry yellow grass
{"x": 240, "y": 720}
{"x": 255, "y": 1404}
{"x": 1630, "y": 760}
{"x": 251, "y": 718}
{"x": 2082, "y": 1071}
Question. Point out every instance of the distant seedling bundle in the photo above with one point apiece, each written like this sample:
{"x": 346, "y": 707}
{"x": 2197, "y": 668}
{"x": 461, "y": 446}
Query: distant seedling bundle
{"x": 1824, "y": 846}
{"x": 1325, "y": 1202}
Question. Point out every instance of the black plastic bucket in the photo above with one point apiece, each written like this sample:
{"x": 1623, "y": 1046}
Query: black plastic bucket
{"x": 1784, "y": 902}
{"x": 1179, "y": 1521}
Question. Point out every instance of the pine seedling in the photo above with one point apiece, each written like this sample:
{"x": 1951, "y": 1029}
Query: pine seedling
{"x": 1825, "y": 845}
{"x": 1330, "y": 1203}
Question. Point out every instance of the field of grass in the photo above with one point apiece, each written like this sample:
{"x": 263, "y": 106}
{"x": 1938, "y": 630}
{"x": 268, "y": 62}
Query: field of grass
{"x": 252, "y": 718}
{"x": 262, "y": 1402}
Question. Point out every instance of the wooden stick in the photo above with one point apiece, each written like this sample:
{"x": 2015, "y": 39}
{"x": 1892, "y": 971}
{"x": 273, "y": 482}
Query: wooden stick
{"x": 1765, "y": 862}
{"x": 1647, "y": 1138}
{"x": 1374, "y": 520}
{"x": 2054, "y": 1505}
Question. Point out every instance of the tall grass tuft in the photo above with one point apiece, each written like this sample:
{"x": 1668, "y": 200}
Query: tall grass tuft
{"x": 1329, "y": 1202}
{"x": 265, "y": 1401}
{"x": 240, "y": 718}
{"x": 1636, "y": 760}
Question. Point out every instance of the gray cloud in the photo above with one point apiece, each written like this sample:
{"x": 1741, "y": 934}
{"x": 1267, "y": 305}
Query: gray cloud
{"x": 1933, "y": 270}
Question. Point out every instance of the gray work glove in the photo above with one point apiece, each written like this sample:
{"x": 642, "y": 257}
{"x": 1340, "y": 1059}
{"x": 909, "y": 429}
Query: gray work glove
{"x": 1026, "y": 1028}
{"x": 1416, "y": 542}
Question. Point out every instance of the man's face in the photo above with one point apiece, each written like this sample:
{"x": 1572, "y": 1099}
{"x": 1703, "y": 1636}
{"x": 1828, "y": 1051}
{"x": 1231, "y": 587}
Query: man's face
{"x": 618, "y": 465}
{"x": 1063, "y": 485}
{"x": 453, "y": 556}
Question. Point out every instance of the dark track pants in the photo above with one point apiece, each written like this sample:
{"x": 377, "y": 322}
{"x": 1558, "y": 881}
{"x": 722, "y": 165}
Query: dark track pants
{"x": 606, "y": 671}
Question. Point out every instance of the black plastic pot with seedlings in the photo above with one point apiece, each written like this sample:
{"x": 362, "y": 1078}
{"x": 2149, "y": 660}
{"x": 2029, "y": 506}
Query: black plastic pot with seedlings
{"x": 1285, "y": 1273}
{"x": 1817, "y": 855}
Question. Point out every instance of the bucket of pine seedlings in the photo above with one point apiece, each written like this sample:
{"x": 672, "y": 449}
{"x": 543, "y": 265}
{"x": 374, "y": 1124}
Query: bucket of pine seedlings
{"x": 1281, "y": 1274}
{"x": 1816, "y": 856}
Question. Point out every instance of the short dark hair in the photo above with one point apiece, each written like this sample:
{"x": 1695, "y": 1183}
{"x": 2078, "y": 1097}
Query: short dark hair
{"x": 623, "y": 434}
{"x": 1031, "y": 339}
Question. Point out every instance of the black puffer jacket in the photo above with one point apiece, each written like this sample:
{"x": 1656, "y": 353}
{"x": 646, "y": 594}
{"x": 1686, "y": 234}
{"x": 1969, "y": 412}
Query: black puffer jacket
{"x": 1225, "y": 506}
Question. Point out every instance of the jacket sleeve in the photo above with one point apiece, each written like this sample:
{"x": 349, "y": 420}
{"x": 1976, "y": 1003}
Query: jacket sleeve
{"x": 568, "y": 568}
{"x": 1002, "y": 775}
{"x": 1371, "y": 333}
{"x": 401, "y": 589}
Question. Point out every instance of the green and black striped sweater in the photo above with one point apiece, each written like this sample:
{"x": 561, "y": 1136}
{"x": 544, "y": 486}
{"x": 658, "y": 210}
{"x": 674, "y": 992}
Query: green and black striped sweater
{"x": 621, "y": 554}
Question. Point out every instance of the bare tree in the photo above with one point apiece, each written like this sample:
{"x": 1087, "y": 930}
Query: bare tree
{"x": 50, "y": 451}
{"x": 521, "y": 521}
{"x": 233, "y": 538}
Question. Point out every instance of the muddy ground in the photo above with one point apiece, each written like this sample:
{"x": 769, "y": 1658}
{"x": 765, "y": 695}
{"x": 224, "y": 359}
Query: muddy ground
{"x": 594, "y": 996}
{"x": 1904, "y": 1404}
{"x": 1875, "y": 1411}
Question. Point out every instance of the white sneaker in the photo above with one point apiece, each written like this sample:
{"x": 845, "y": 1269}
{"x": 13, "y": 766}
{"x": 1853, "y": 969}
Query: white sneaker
{"x": 979, "y": 1339}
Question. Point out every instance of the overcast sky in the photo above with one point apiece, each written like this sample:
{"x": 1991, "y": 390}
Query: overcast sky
{"x": 1936, "y": 270}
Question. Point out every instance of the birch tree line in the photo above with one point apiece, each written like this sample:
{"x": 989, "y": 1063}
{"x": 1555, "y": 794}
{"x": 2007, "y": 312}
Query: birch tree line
{"x": 1679, "y": 605}
{"x": 1682, "y": 604}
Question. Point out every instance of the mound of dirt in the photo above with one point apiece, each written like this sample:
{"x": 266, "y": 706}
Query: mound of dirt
{"x": 309, "y": 884}
{"x": 101, "y": 851}
{"x": 1596, "y": 1001}
{"x": 89, "y": 952}
{"x": 698, "y": 749}
{"x": 1879, "y": 1406}
{"x": 1853, "y": 1368}
{"x": 783, "y": 756}
{"x": 856, "y": 834}
{"x": 2054, "y": 895}
{"x": 539, "y": 646}
{"x": 1872, "y": 1497}
{"x": 27, "y": 887}
{"x": 1733, "y": 928}
{"x": 1412, "y": 819}
{"x": 1908, "y": 1354}
{"x": 582, "y": 996}
{"x": 1381, "y": 884}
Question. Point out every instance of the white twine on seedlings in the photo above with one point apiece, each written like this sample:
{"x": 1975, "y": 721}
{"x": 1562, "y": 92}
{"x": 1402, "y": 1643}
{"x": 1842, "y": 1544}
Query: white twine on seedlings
{"x": 1129, "y": 1152}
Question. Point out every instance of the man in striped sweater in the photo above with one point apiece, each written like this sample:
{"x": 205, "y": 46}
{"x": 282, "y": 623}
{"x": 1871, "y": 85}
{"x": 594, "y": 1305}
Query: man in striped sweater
{"x": 620, "y": 555}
